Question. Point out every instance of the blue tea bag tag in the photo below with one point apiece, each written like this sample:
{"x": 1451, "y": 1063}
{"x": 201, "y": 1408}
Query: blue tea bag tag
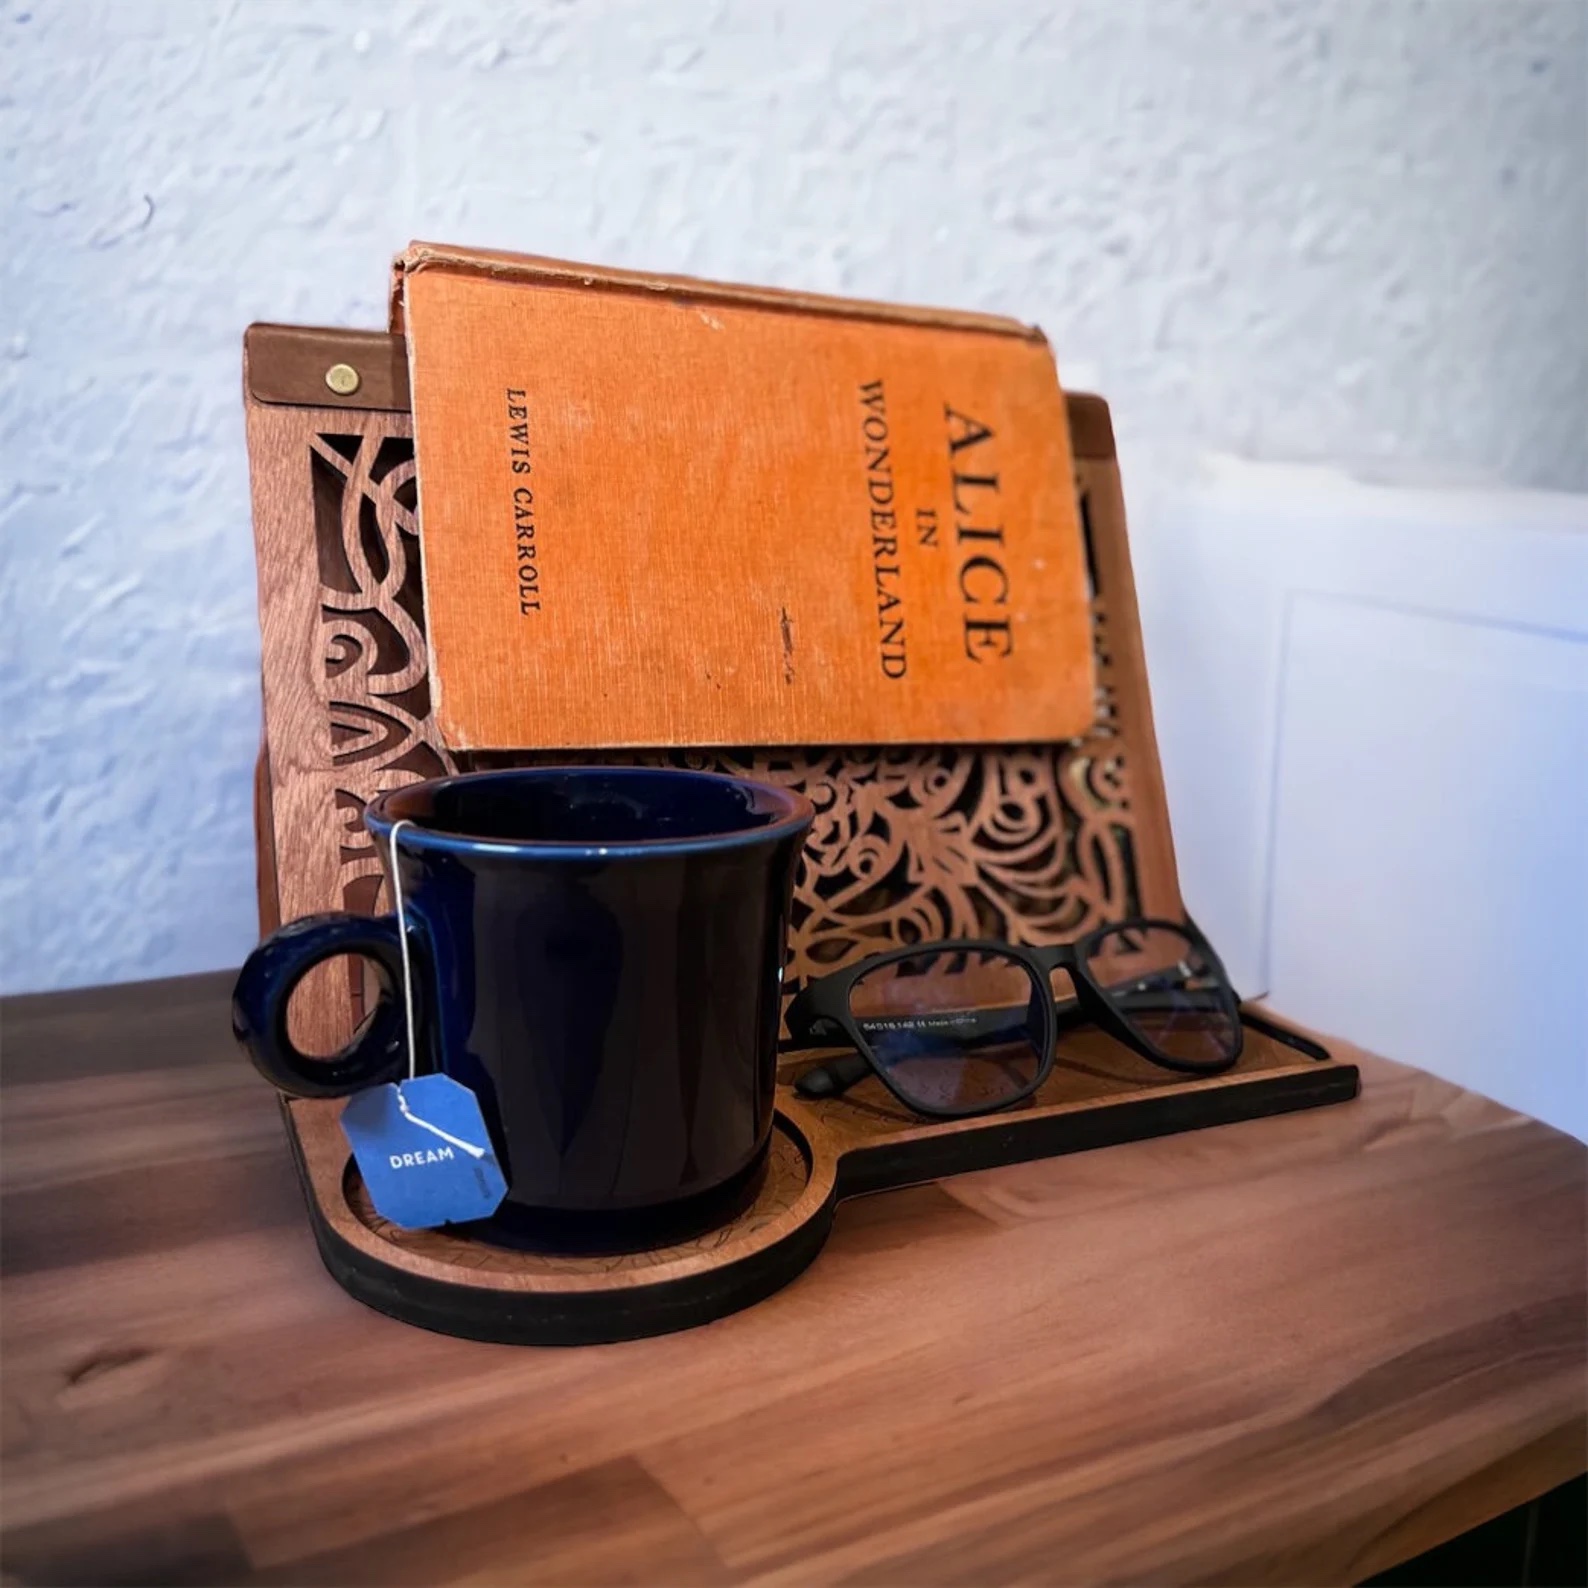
{"x": 422, "y": 1148}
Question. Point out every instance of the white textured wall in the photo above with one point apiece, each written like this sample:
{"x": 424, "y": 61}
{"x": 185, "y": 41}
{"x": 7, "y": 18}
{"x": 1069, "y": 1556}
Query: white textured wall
{"x": 1352, "y": 231}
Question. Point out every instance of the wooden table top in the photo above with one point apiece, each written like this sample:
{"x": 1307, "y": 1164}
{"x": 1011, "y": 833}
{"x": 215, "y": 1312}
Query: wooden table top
{"x": 1294, "y": 1350}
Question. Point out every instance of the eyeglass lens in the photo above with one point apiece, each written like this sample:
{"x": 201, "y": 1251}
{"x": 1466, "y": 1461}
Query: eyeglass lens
{"x": 1167, "y": 990}
{"x": 955, "y": 1030}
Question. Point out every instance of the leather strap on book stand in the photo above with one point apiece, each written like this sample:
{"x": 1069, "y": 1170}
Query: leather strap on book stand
{"x": 1031, "y": 844}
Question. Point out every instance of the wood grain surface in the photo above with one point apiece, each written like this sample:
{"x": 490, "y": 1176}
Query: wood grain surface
{"x": 1291, "y": 1350}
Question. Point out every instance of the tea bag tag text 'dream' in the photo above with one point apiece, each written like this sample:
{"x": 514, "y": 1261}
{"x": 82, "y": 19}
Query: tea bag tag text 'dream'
{"x": 421, "y": 1143}
{"x": 422, "y": 1149}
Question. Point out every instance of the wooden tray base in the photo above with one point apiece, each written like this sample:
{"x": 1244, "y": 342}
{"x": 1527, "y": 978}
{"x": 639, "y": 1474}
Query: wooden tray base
{"x": 1100, "y": 1094}
{"x": 1027, "y": 843}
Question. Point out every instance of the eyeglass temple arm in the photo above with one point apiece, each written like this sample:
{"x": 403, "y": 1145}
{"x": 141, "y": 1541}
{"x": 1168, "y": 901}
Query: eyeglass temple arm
{"x": 1149, "y": 1000}
{"x": 1291, "y": 1039}
{"x": 1269, "y": 1028}
{"x": 808, "y": 1029}
{"x": 1144, "y": 1000}
{"x": 835, "y": 1077}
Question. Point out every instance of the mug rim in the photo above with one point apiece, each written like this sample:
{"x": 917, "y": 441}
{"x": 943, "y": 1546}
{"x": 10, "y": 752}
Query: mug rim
{"x": 796, "y": 816}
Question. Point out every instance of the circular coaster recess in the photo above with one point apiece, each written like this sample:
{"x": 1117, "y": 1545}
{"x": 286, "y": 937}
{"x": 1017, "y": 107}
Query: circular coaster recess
{"x": 442, "y": 1279}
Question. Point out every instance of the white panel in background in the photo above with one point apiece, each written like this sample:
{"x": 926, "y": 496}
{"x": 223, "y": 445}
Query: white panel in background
{"x": 1372, "y": 707}
{"x": 1420, "y": 886}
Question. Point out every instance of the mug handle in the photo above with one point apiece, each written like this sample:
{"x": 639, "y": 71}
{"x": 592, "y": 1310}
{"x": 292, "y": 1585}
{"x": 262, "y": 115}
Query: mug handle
{"x": 265, "y": 986}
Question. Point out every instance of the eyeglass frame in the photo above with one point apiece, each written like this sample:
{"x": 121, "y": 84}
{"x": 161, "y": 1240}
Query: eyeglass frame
{"x": 825, "y": 1002}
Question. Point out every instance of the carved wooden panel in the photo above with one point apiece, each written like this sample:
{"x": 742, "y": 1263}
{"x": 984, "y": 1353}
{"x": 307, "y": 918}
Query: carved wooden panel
{"x": 1032, "y": 844}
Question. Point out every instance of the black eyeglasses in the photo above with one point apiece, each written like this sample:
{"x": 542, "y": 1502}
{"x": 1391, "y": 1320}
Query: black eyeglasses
{"x": 966, "y": 1027}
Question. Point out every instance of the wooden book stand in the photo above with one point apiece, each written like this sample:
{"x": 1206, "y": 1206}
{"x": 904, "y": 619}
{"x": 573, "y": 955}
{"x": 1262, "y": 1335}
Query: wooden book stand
{"x": 1031, "y": 844}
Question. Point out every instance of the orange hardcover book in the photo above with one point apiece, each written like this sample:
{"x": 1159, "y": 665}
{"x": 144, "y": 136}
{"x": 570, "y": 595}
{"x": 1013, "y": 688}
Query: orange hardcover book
{"x": 663, "y": 512}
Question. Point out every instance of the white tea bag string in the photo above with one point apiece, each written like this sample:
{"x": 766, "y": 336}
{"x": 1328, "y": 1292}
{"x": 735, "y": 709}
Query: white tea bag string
{"x": 402, "y": 940}
{"x": 408, "y": 1004}
{"x": 436, "y": 1130}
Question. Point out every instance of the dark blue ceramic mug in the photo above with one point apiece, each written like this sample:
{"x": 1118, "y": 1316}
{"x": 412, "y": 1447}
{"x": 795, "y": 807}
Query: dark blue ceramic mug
{"x": 597, "y": 953}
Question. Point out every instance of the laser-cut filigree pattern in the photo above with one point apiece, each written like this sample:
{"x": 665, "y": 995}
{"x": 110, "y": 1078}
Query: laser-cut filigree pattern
{"x": 372, "y": 624}
{"x": 1031, "y": 844}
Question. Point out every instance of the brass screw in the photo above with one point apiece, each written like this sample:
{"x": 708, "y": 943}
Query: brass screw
{"x": 342, "y": 379}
